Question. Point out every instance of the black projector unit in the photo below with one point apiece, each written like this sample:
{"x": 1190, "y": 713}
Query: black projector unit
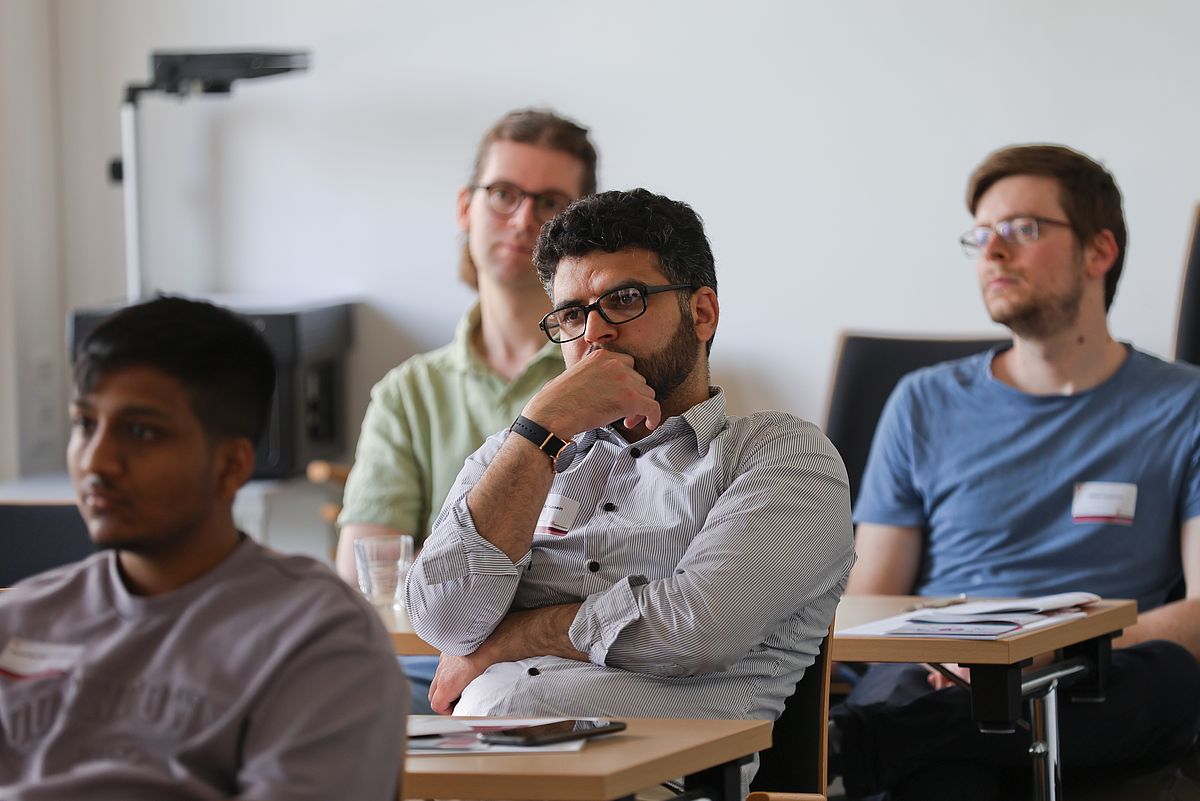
{"x": 310, "y": 344}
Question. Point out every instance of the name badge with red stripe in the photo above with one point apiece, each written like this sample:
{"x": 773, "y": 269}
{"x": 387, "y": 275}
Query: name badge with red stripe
{"x": 30, "y": 659}
{"x": 558, "y": 515}
{"x": 1104, "y": 502}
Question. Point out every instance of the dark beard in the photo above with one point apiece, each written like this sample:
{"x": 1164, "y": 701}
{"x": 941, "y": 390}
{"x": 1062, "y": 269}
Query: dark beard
{"x": 670, "y": 366}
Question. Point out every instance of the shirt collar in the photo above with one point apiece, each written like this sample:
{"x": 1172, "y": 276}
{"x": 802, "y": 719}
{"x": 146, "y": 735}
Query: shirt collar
{"x": 707, "y": 419}
{"x": 464, "y": 356}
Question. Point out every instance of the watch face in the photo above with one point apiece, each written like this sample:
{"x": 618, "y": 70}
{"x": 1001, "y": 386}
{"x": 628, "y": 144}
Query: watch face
{"x": 565, "y": 457}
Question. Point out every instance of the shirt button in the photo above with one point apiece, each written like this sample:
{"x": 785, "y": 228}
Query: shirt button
{"x": 635, "y": 452}
{"x": 593, "y": 566}
{"x": 534, "y": 671}
{"x": 610, "y": 507}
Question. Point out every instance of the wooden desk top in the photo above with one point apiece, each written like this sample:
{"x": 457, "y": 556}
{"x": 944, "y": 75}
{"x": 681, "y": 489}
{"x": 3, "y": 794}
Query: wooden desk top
{"x": 650, "y": 751}
{"x": 406, "y": 643}
{"x": 1103, "y": 617}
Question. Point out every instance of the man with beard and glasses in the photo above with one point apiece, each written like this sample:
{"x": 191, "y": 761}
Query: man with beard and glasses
{"x": 626, "y": 547}
{"x": 1066, "y": 461}
{"x": 185, "y": 661}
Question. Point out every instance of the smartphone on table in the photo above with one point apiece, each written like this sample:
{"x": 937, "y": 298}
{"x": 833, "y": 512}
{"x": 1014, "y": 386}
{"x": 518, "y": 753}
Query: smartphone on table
{"x": 547, "y": 733}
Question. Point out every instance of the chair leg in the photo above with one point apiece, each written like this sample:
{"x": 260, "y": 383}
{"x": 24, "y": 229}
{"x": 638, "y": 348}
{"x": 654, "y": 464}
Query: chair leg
{"x": 1047, "y": 772}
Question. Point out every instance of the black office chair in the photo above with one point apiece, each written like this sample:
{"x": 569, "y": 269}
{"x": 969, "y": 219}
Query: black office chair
{"x": 1187, "y": 336}
{"x": 35, "y": 537}
{"x": 868, "y": 369}
{"x": 795, "y": 762}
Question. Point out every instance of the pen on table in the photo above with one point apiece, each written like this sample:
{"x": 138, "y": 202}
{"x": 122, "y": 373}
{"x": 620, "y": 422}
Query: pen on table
{"x": 939, "y": 603}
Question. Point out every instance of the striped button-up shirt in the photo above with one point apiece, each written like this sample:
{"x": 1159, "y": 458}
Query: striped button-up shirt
{"x": 709, "y": 558}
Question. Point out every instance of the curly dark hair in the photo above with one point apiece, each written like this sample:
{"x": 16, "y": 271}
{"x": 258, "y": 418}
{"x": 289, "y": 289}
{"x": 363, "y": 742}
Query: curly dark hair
{"x": 620, "y": 220}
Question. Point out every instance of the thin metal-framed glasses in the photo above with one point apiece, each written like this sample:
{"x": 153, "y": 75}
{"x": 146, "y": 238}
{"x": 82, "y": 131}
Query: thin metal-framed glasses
{"x": 617, "y": 306}
{"x": 505, "y": 198}
{"x": 1016, "y": 231}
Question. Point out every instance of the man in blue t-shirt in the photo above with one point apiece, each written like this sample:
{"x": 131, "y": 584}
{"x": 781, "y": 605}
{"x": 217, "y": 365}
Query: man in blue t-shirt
{"x": 1068, "y": 461}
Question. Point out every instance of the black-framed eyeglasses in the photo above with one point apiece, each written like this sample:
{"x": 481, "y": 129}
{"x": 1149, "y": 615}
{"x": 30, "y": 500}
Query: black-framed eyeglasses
{"x": 1016, "y": 231}
{"x": 505, "y": 198}
{"x": 617, "y": 306}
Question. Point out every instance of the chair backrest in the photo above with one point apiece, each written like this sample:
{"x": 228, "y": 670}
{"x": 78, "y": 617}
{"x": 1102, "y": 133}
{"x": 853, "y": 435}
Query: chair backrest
{"x": 1187, "y": 337}
{"x": 868, "y": 369}
{"x": 35, "y": 537}
{"x": 795, "y": 762}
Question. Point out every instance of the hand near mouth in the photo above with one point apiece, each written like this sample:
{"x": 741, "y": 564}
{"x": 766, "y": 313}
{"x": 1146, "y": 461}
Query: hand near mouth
{"x": 601, "y": 387}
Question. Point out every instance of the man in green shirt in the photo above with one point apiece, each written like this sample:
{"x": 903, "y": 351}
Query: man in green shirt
{"x": 434, "y": 410}
{"x": 426, "y": 417}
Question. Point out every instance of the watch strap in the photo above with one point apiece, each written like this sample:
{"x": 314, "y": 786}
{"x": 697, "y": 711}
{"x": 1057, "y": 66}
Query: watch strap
{"x": 547, "y": 442}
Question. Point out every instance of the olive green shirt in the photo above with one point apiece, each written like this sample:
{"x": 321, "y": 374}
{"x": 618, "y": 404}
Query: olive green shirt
{"x": 425, "y": 418}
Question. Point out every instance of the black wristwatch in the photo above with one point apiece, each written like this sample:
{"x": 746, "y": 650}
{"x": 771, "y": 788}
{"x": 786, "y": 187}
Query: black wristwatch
{"x": 561, "y": 452}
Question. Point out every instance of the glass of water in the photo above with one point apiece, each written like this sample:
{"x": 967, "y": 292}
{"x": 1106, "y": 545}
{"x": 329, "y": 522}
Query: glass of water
{"x": 383, "y": 561}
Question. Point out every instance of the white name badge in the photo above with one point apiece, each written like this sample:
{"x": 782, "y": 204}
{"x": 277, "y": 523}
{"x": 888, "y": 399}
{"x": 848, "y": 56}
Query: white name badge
{"x": 30, "y": 659}
{"x": 1104, "y": 502}
{"x": 558, "y": 515}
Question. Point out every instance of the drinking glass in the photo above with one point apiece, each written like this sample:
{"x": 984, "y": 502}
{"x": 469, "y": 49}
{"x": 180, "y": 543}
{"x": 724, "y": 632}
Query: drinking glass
{"x": 383, "y": 561}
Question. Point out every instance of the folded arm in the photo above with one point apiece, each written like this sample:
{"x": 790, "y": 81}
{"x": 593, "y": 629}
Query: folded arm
{"x": 778, "y": 538}
{"x": 464, "y": 583}
{"x": 521, "y": 635}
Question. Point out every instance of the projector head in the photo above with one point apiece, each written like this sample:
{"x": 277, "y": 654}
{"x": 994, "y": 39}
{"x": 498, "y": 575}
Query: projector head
{"x": 179, "y": 73}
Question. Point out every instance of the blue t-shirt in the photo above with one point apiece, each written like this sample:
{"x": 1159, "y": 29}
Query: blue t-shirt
{"x": 990, "y": 474}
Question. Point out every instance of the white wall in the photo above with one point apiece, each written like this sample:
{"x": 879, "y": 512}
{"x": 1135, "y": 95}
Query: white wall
{"x": 32, "y": 358}
{"x": 826, "y": 145}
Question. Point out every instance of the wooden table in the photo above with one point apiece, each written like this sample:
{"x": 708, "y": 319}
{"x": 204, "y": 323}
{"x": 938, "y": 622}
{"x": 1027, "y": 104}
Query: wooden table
{"x": 997, "y": 685}
{"x": 406, "y": 643}
{"x": 1103, "y": 618}
{"x": 707, "y": 752}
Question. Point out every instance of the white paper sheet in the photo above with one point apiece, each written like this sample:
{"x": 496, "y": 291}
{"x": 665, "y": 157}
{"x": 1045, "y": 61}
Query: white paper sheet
{"x": 885, "y": 626}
